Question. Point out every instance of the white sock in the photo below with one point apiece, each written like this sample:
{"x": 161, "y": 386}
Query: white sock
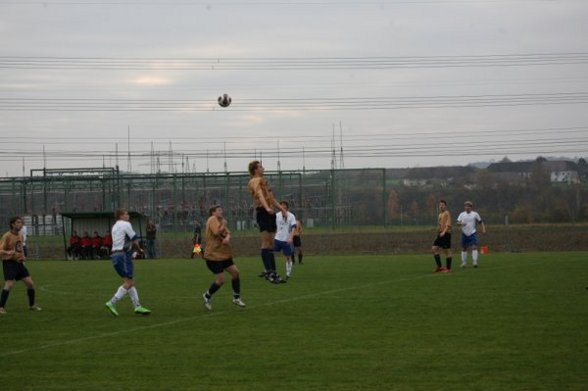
{"x": 288, "y": 267}
{"x": 120, "y": 293}
{"x": 134, "y": 296}
{"x": 475, "y": 256}
{"x": 464, "y": 256}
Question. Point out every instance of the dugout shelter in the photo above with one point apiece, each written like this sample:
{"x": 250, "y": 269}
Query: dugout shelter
{"x": 96, "y": 221}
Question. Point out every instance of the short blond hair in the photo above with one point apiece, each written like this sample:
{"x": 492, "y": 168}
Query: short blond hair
{"x": 119, "y": 212}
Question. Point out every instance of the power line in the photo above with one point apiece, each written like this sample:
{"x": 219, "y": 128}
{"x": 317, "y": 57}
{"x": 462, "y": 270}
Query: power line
{"x": 294, "y": 3}
{"x": 326, "y": 150}
{"x": 290, "y": 63}
{"x": 360, "y": 135}
{"x": 293, "y": 104}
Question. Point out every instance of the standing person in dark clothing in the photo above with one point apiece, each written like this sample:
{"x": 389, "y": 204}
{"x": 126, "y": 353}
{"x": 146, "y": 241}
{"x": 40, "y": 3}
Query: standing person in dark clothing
{"x": 151, "y": 233}
{"x": 297, "y": 241}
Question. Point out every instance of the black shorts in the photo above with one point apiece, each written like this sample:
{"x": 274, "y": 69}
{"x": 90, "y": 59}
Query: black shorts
{"x": 14, "y": 270}
{"x": 296, "y": 241}
{"x": 443, "y": 241}
{"x": 218, "y": 267}
{"x": 265, "y": 221}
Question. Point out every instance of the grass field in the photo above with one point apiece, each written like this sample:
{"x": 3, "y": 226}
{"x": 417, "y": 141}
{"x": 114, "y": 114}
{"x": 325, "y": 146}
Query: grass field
{"x": 519, "y": 322}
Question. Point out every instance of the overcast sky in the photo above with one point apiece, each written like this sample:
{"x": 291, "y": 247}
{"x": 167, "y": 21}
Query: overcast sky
{"x": 398, "y": 83}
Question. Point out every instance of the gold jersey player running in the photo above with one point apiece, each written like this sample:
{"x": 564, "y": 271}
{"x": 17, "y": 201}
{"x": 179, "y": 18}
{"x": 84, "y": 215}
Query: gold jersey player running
{"x": 443, "y": 240}
{"x": 265, "y": 216}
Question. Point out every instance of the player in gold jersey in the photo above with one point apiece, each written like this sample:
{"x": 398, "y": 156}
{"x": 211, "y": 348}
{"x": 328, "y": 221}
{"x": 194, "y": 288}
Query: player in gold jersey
{"x": 13, "y": 258}
{"x": 218, "y": 255}
{"x": 443, "y": 240}
{"x": 265, "y": 202}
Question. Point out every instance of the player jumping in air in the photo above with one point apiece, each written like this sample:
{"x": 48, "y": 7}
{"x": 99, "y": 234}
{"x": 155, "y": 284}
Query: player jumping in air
{"x": 265, "y": 215}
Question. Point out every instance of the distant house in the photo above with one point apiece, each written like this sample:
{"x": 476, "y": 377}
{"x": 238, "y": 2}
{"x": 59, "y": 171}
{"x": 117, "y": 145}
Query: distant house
{"x": 560, "y": 171}
{"x": 563, "y": 171}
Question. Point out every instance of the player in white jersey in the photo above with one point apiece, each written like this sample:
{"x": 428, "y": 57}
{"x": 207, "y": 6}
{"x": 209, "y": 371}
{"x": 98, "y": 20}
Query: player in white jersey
{"x": 24, "y": 231}
{"x": 469, "y": 221}
{"x": 283, "y": 241}
{"x": 124, "y": 240}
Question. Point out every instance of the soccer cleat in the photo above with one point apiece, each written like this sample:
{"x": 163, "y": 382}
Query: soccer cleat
{"x": 238, "y": 302}
{"x": 439, "y": 270}
{"x": 262, "y": 274}
{"x": 35, "y": 308}
{"x": 475, "y": 265}
{"x": 3, "y": 311}
{"x": 445, "y": 270}
{"x": 140, "y": 310}
{"x": 463, "y": 265}
{"x": 207, "y": 302}
{"x": 112, "y": 308}
{"x": 276, "y": 279}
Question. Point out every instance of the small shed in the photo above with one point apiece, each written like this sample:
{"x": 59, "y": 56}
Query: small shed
{"x": 100, "y": 222}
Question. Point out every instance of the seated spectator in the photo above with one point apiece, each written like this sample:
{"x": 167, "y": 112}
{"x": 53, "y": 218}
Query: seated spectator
{"x": 96, "y": 245}
{"x": 86, "y": 246}
{"x": 74, "y": 249}
{"x": 106, "y": 244}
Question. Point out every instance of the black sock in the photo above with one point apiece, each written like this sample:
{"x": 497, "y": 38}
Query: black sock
{"x": 31, "y": 294}
{"x": 437, "y": 259}
{"x": 236, "y": 283}
{"x": 272, "y": 261}
{"x": 265, "y": 254}
{"x": 4, "y": 297}
{"x": 213, "y": 288}
{"x": 448, "y": 261}
{"x": 299, "y": 258}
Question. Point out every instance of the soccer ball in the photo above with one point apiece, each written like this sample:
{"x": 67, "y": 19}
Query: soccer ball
{"x": 224, "y": 100}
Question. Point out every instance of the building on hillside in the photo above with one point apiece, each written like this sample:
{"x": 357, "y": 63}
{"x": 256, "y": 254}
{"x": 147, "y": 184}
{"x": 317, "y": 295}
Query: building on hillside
{"x": 560, "y": 171}
{"x": 563, "y": 171}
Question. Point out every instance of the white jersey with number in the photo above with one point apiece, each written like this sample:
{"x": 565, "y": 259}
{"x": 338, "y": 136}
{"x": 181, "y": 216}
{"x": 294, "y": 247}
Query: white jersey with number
{"x": 284, "y": 226}
{"x": 122, "y": 234}
{"x": 469, "y": 222}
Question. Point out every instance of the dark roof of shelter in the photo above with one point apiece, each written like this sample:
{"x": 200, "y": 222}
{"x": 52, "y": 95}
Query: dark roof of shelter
{"x": 561, "y": 165}
{"x": 510, "y": 167}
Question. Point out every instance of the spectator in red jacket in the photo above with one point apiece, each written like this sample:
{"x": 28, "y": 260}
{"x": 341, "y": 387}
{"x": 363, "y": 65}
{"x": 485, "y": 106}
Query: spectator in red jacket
{"x": 106, "y": 244}
{"x": 73, "y": 251}
{"x": 86, "y": 246}
{"x": 96, "y": 245}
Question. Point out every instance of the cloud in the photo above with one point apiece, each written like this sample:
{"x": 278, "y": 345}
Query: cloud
{"x": 151, "y": 80}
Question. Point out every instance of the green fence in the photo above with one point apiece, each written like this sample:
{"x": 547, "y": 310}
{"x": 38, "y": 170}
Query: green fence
{"x": 326, "y": 198}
